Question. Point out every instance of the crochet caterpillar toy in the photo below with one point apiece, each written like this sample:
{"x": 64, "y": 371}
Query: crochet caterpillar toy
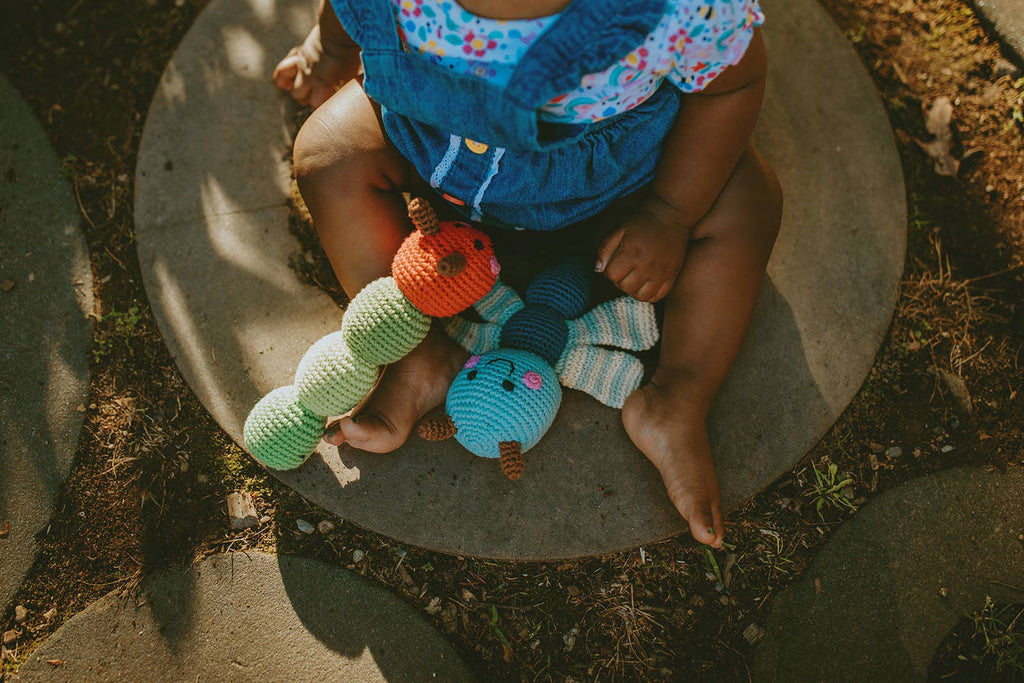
{"x": 440, "y": 270}
{"x": 505, "y": 398}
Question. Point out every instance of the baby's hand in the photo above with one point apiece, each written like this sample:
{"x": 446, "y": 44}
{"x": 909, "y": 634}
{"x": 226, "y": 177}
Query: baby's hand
{"x": 313, "y": 71}
{"x": 644, "y": 256}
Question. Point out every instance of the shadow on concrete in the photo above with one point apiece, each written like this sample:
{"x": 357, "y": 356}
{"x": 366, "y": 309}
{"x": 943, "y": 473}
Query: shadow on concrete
{"x": 879, "y": 614}
{"x": 44, "y": 334}
{"x": 351, "y": 615}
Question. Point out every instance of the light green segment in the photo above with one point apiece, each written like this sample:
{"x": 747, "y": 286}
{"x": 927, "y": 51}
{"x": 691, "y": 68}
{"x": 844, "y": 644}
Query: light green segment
{"x": 381, "y": 326}
{"x": 329, "y": 380}
{"x": 279, "y": 432}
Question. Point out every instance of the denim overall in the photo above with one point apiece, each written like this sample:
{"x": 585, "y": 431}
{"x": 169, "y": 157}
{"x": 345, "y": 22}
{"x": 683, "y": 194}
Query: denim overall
{"x": 484, "y": 148}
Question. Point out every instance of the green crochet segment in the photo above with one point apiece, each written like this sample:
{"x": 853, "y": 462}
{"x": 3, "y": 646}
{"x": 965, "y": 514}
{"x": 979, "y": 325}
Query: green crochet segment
{"x": 280, "y": 432}
{"x": 381, "y": 326}
{"x": 330, "y": 380}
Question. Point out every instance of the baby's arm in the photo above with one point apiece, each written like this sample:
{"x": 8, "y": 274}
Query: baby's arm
{"x": 328, "y": 58}
{"x": 644, "y": 256}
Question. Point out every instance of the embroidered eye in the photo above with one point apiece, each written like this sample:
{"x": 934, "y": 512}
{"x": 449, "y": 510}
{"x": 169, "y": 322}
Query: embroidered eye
{"x": 471, "y": 362}
{"x": 507, "y": 385}
{"x": 478, "y": 245}
{"x": 471, "y": 375}
{"x": 533, "y": 380}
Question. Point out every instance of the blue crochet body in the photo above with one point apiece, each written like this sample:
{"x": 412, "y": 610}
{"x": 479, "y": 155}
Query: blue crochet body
{"x": 512, "y": 393}
{"x": 506, "y": 397}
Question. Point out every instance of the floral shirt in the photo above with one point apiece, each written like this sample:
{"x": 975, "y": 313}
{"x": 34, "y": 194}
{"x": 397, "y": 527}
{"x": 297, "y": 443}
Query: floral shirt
{"x": 692, "y": 44}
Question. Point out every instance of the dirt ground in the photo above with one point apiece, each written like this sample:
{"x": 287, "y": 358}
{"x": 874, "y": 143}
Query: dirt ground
{"x": 152, "y": 469}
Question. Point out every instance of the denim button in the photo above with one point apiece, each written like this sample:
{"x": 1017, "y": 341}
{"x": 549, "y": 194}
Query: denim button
{"x": 476, "y": 147}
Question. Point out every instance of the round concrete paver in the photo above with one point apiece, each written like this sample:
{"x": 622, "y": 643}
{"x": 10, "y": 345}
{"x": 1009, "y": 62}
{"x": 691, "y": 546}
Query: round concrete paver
{"x": 879, "y": 615}
{"x": 1007, "y": 17}
{"x": 212, "y": 184}
{"x": 45, "y": 292}
{"x": 249, "y": 617}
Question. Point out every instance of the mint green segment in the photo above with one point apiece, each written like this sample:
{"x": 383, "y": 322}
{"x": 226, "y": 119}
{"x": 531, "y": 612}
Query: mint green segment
{"x": 329, "y": 380}
{"x": 381, "y": 326}
{"x": 281, "y": 433}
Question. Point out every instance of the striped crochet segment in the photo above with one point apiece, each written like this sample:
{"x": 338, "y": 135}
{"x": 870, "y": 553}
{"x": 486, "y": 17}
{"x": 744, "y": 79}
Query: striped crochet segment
{"x": 477, "y": 338}
{"x": 606, "y": 374}
{"x": 623, "y": 322}
{"x": 500, "y": 304}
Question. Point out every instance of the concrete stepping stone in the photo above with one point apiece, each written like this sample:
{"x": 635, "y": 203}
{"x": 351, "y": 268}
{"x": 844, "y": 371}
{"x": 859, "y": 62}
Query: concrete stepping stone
{"x": 1007, "y": 17}
{"x": 45, "y": 292}
{"x": 879, "y": 614}
{"x": 249, "y": 617}
{"x": 212, "y": 183}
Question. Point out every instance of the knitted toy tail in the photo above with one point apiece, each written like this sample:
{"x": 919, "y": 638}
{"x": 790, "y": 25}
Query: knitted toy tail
{"x": 511, "y": 460}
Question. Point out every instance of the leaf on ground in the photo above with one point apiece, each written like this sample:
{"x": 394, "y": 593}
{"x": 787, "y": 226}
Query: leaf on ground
{"x": 937, "y": 120}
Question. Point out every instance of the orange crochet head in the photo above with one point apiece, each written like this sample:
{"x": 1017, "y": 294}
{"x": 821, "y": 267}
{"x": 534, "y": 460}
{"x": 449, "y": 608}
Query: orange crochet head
{"x": 443, "y": 268}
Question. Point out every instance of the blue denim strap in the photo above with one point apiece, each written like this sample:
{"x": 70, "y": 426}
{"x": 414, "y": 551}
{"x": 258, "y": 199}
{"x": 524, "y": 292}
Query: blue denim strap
{"x": 588, "y": 37}
{"x": 371, "y": 23}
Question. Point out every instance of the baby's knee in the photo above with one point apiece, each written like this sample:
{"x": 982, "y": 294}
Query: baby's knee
{"x": 323, "y": 163}
{"x": 341, "y": 147}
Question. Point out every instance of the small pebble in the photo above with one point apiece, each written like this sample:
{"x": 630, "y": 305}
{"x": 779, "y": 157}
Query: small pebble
{"x": 943, "y": 592}
{"x": 894, "y": 452}
{"x": 434, "y": 606}
{"x": 264, "y": 519}
{"x": 358, "y": 555}
{"x": 50, "y": 614}
{"x": 325, "y": 527}
{"x": 753, "y": 633}
{"x": 570, "y": 638}
{"x": 241, "y": 510}
{"x": 946, "y": 449}
{"x": 9, "y": 637}
{"x": 20, "y": 614}
{"x": 304, "y": 526}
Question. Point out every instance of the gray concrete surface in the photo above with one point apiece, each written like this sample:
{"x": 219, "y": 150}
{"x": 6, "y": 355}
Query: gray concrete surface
{"x": 1007, "y": 18}
{"x": 44, "y": 334}
{"x": 211, "y": 188}
{"x": 249, "y": 617}
{"x": 879, "y": 615}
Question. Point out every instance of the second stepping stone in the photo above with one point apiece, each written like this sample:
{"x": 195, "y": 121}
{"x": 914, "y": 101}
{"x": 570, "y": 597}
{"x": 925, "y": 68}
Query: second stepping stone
{"x": 249, "y": 617}
{"x": 897, "y": 578}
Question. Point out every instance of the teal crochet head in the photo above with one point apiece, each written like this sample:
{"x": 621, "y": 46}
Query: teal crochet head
{"x": 440, "y": 269}
{"x": 503, "y": 396}
{"x": 506, "y": 397}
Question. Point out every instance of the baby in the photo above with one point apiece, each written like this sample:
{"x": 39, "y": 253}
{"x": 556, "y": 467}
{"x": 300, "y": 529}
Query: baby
{"x": 537, "y": 115}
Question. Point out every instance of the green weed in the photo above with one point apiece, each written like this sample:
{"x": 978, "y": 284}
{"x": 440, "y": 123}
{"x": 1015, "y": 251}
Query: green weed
{"x": 1003, "y": 641}
{"x": 829, "y": 488}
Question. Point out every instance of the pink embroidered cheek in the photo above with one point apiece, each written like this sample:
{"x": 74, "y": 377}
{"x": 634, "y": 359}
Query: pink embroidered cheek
{"x": 533, "y": 380}
{"x": 473, "y": 360}
{"x": 495, "y": 267}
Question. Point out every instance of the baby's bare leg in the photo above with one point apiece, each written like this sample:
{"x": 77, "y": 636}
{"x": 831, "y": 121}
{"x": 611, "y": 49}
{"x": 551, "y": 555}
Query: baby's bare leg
{"x": 351, "y": 178}
{"x": 706, "y": 317}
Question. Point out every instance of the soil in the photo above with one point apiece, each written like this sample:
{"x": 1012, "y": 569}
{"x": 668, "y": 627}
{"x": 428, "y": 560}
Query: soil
{"x": 152, "y": 468}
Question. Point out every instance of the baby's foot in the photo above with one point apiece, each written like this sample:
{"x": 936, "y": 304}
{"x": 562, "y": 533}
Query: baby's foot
{"x": 406, "y": 391}
{"x": 673, "y": 435}
{"x": 313, "y": 71}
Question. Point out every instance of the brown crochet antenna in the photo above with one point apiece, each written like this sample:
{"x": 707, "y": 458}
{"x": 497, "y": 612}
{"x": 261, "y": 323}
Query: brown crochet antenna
{"x": 511, "y": 459}
{"x": 423, "y": 216}
{"x": 437, "y": 429}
